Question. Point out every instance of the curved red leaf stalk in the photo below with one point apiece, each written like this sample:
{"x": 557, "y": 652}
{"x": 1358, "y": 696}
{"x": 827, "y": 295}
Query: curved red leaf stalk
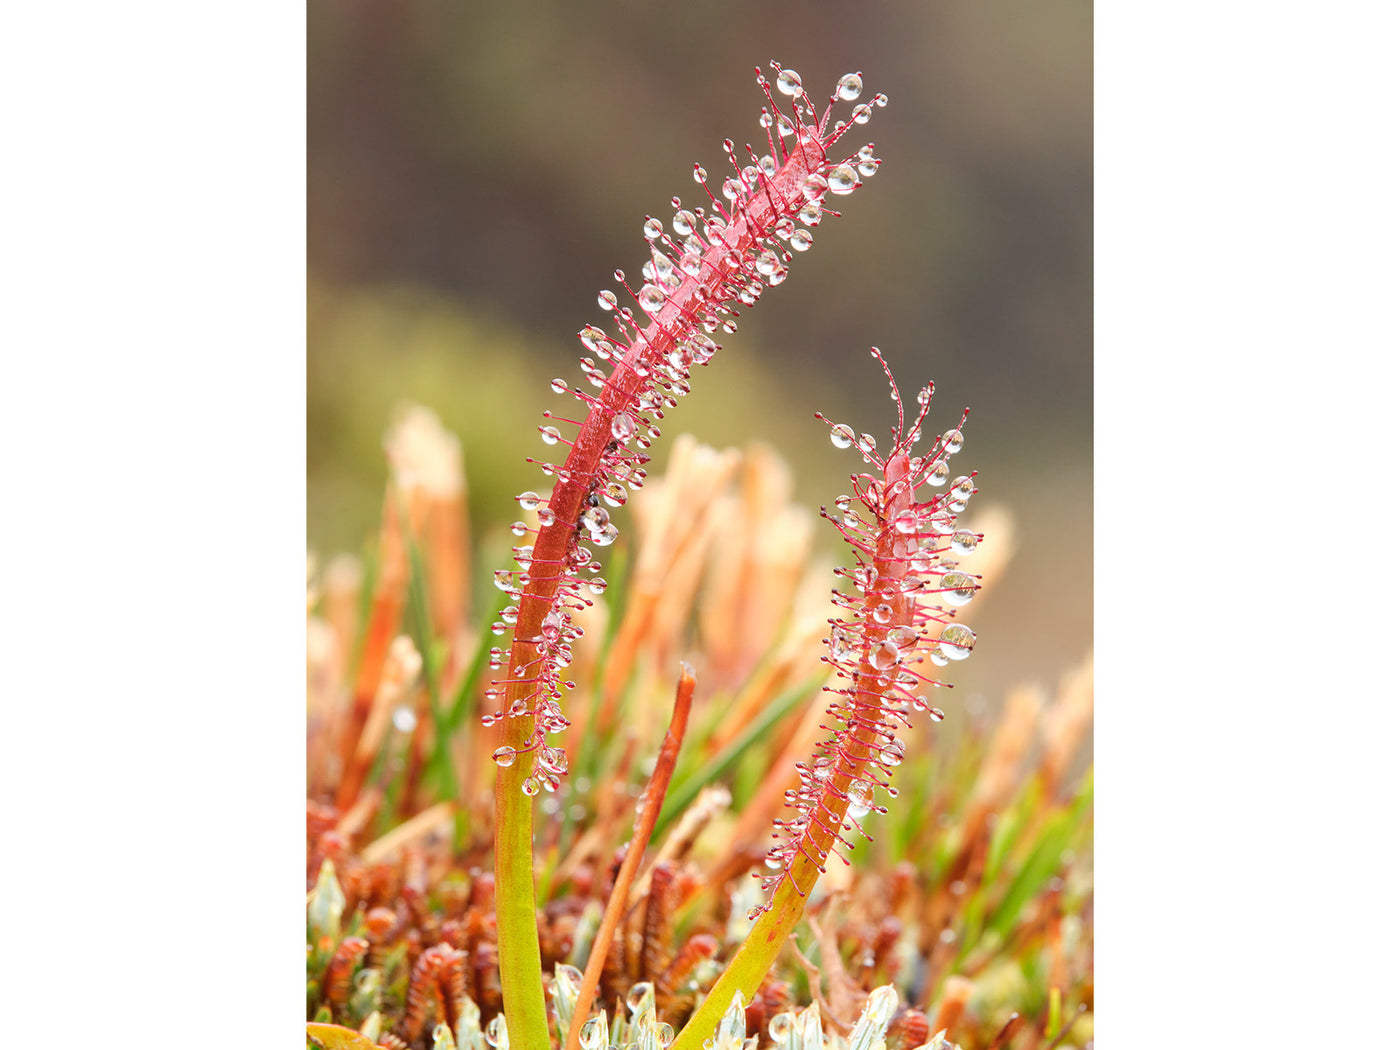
{"x": 901, "y": 615}
{"x": 721, "y": 253}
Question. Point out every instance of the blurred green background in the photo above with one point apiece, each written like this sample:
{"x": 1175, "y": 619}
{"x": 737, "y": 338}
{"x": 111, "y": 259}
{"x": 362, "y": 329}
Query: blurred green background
{"x": 476, "y": 172}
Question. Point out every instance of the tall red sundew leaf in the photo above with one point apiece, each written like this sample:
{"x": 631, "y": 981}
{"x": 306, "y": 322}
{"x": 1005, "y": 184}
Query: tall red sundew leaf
{"x": 720, "y": 254}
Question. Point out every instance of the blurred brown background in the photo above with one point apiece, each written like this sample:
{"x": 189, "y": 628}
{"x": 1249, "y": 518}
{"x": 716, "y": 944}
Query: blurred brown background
{"x": 476, "y": 172}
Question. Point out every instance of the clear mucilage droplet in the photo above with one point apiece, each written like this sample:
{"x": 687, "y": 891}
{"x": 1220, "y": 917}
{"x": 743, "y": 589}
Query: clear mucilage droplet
{"x": 858, "y": 795}
{"x": 956, "y": 641}
{"x": 789, "y": 83}
{"x": 842, "y": 179}
{"x": 956, "y": 588}
{"x": 893, "y": 753}
{"x": 651, "y": 298}
{"x": 902, "y": 637}
{"x": 885, "y": 656}
{"x": 624, "y": 427}
{"x": 848, "y": 90}
{"x": 842, "y": 436}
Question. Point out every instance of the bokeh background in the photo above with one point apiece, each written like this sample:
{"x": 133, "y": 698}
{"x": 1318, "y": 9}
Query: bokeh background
{"x": 477, "y": 171}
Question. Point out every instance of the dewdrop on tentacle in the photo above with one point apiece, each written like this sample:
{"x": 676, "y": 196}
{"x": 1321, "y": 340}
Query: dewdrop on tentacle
{"x": 703, "y": 262}
{"x": 897, "y": 622}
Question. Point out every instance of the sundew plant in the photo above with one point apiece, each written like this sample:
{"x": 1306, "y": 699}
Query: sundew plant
{"x": 416, "y": 940}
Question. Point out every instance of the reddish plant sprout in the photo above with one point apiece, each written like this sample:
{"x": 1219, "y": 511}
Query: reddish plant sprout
{"x": 701, "y": 266}
{"x": 906, "y": 589}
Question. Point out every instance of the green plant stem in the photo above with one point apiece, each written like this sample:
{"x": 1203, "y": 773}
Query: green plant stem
{"x": 755, "y": 957}
{"x": 522, "y": 985}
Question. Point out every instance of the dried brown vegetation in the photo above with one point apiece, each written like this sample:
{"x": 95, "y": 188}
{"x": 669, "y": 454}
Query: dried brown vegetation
{"x": 976, "y": 901}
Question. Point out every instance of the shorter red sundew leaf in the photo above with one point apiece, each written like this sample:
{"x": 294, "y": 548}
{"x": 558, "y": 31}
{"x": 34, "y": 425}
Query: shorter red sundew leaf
{"x": 906, "y": 589}
{"x": 648, "y": 807}
{"x": 886, "y": 633}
